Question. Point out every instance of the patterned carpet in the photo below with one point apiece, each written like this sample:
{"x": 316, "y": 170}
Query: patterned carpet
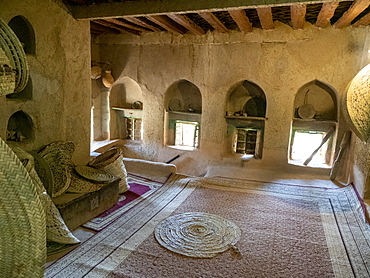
{"x": 286, "y": 231}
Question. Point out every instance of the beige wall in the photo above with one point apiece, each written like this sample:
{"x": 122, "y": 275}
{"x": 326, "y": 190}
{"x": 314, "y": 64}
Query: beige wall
{"x": 280, "y": 61}
{"x": 60, "y": 72}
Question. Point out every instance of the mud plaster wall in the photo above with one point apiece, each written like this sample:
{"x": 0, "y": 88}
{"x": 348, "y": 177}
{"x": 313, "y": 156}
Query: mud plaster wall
{"x": 60, "y": 72}
{"x": 280, "y": 61}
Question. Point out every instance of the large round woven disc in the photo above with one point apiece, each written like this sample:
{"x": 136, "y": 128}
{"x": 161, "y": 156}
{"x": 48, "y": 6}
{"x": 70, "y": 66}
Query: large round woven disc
{"x": 197, "y": 234}
{"x": 357, "y": 106}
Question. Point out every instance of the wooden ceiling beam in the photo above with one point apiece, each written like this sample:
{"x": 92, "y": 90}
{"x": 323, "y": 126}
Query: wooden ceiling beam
{"x": 167, "y": 24}
{"x": 102, "y": 29}
{"x": 363, "y": 21}
{"x": 139, "y": 22}
{"x": 114, "y": 26}
{"x": 142, "y": 8}
{"x": 187, "y": 23}
{"x": 297, "y": 15}
{"x": 357, "y": 7}
{"x": 214, "y": 21}
{"x": 127, "y": 25}
{"x": 265, "y": 17}
{"x": 326, "y": 13}
{"x": 241, "y": 20}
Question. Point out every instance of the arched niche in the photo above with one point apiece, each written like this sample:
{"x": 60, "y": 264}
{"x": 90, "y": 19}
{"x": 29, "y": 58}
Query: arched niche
{"x": 321, "y": 97}
{"x": 25, "y": 94}
{"x": 245, "y": 115}
{"x": 20, "y": 128}
{"x": 246, "y": 99}
{"x": 183, "y": 96}
{"x": 126, "y": 101}
{"x": 314, "y": 125}
{"x": 183, "y": 106}
{"x": 25, "y": 33}
{"x": 125, "y": 92}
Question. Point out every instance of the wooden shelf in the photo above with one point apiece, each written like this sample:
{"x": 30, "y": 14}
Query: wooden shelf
{"x": 184, "y": 113}
{"x": 129, "y": 112}
{"x": 246, "y": 118}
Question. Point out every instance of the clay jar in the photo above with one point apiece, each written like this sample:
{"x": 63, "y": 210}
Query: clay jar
{"x": 108, "y": 79}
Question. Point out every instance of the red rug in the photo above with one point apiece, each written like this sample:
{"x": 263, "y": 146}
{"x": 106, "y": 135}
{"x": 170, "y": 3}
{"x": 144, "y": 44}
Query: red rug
{"x": 140, "y": 188}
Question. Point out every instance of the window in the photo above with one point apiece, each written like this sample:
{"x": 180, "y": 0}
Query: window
{"x": 305, "y": 143}
{"x": 247, "y": 141}
{"x": 186, "y": 134}
{"x": 134, "y": 129}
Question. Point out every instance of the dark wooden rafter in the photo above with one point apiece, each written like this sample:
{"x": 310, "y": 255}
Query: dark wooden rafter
{"x": 126, "y": 25}
{"x": 357, "y": 7}
{"x": 265, "y": 17}
{"x": 363, "y": 21}
{"x": 297, "y": 14}
{"x": 117, "y": 27}
{"x": 325, "y": 14}
{"x": 187, "y": 23}
{"x": 167, "y": 24}
{"x": 102, "y": 29}
{"x": 241, "y": 20}
{"x": 139, "y": 22}
{"x": 214, "y": 22}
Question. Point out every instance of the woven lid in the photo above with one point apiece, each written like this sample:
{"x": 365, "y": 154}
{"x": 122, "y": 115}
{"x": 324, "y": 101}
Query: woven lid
{"x": 105, "y": 158}
{"x": 93, "y": 174}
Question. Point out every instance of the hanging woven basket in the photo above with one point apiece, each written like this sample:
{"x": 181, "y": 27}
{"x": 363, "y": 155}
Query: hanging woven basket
{"x": 7, "y": 75}
{"x": 13, "y": 49}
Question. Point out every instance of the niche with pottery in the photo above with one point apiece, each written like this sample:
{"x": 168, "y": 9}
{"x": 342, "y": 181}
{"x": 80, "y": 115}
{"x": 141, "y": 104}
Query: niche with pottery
{"x": 126, "y": 102}
{"x": 183, "y": 109}
{"x": 20, "y": 128}
{"x": 246, "y": 115}
{"x": 314, "y": 125}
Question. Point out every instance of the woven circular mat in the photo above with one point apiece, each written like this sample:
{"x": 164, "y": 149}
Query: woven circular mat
{"x": 357, "y": 106}
{"x": 197, "y": 234}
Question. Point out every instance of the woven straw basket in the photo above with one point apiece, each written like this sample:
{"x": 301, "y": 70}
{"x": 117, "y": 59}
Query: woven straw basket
{"x": 22, "y": 220}
{"x": 7, "y": 78}
{"x": 112, "y": 163}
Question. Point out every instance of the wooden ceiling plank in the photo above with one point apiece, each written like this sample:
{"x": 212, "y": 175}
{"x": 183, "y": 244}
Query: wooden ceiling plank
{"x": 102, "y": 29}
{"x": 297, "y": 14}
{"x": 363, "y": 21}
{"x": 326, "y": 13}
{"x": 139, "y": 22}
{"x": 214, "y": 21}
{"x": 241, "y": 20}
{"x": 114, "y": 26}
{"x": 357, "y": 7}
{"x": 127, "y": 25}
{"x": 265, "y": 16}
{"x": 142, "y": 8}
{"x": 166, "y": 23}
{"x": 187, "y": 23}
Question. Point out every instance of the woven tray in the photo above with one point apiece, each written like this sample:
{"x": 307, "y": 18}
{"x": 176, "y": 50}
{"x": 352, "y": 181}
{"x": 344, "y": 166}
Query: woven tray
{"x": 22, "y": 221}
{"x": 13, "y": 49}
